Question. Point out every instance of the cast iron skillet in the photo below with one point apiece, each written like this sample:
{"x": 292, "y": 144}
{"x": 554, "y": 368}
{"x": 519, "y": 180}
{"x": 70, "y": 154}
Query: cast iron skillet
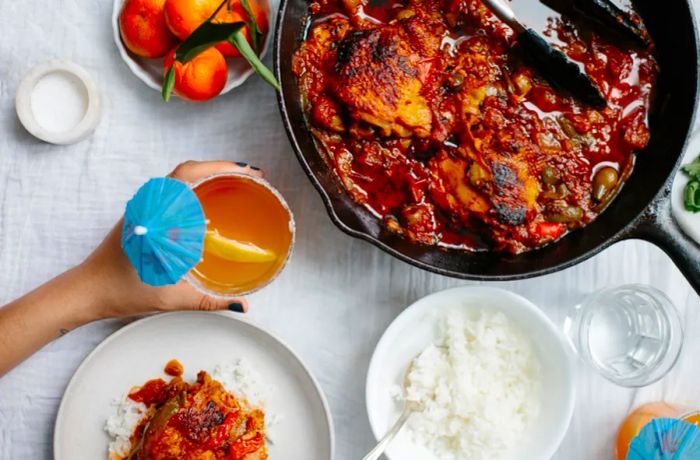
{"x": 642, "y": 210}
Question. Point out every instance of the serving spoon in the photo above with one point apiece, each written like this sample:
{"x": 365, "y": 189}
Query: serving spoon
{"x": 551, "y": 63}
{"x": 409, "y": 408}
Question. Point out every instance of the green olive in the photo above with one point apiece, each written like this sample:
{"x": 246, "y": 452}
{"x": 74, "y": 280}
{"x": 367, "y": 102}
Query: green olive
{"x": 566, "y": 214}
{"x": 604, "y": 182}
{"x": 555, "y": 192}
{"x": 550, "y": 175}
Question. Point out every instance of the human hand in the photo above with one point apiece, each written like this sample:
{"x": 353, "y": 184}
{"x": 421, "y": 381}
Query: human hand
{"x": 105, "y": 285}
{"x": 122, "y": 293}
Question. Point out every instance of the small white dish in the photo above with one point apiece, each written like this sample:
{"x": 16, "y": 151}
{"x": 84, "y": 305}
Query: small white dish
{"x": 150, "y": 71}
{"x": 687, "y": 220}
{"x": 199, "y": 340}
{"x": 417, "y": 327}
{"x": 58, "y": 102}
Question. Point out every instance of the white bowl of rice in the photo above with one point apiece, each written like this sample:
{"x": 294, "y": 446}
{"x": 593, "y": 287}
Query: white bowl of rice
{"x": 495, "y": 376}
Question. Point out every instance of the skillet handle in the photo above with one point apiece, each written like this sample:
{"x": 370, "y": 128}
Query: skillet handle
{"x": 658, "y": 226}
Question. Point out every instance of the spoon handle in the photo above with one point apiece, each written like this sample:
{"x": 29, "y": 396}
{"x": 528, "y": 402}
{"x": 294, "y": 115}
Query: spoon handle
{"x": 381, "y": 446}
{"x": 505, "y": 13}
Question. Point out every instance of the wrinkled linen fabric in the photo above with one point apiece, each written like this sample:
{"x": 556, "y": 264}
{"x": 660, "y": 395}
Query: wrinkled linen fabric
{"x": 56, "y": 203}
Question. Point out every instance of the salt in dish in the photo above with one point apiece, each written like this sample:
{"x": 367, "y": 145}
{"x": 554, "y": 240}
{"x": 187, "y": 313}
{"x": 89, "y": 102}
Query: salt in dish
{"x": 58, "y": 103}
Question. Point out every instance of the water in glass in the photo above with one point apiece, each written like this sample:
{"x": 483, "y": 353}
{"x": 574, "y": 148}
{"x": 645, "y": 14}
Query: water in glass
{"x": 631, "y": 334}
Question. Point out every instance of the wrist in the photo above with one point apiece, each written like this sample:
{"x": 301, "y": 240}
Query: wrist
{"x": 92, "y": 304}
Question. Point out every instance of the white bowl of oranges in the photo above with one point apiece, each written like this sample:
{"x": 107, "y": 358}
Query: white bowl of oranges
{"x": 147, "y": 32}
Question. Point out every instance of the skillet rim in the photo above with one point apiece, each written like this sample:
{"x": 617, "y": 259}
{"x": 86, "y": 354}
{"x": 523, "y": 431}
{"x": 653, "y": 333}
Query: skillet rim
{"x": 627, "y": 231}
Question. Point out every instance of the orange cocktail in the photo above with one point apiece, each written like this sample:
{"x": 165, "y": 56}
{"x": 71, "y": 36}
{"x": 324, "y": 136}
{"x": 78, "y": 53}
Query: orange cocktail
{"x": 250, "y": 234}
{"x": 644, "y": 414}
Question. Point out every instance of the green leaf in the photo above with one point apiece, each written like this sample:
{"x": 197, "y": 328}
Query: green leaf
{"x": 692, "y": 169}
{"x": 238, "y": 40}
{"x": 204, "y": 37}
{"x": 216, "y": 11}
{"x": 168, "y": 83}
{"x": 256, "y": 33}
{"x": 208, "y": 35}
{"x": 691, "y": 196}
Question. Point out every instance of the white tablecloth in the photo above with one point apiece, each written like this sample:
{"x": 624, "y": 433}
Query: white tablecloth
{"x": 56, "y": 203}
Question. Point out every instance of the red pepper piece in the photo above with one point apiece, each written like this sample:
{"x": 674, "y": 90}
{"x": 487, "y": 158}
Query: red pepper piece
{"x": 243, "y": 447}
{"x": 550, "y": 230}
{"x": 222, "y": 431}
{"x": 151, "y": 392}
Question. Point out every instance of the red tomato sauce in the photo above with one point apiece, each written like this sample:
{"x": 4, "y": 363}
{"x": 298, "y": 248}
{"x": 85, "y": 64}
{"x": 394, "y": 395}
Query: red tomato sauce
{"x": 194, "y": 421}
{"x": 433, "y": 120}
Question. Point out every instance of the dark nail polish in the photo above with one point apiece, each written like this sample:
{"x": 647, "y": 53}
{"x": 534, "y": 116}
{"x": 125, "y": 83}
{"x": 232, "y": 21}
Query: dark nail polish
{"x": 236, "y": 306}
{"x": 241, "y": 164}
{"x": 255, "y": 168}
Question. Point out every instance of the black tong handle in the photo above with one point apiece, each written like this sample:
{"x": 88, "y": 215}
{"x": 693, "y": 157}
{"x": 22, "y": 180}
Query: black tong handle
{"x": 609, "y": 15}
{"x": 559, "y": 69}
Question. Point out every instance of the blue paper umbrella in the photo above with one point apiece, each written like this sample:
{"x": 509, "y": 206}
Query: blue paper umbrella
{"x": 666, "y": 439}
{"x": 163, "y": 232}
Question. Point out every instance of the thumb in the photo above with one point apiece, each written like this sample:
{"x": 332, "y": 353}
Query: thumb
{"x": 183, "y": 296}
{"x": 210, "y": 303}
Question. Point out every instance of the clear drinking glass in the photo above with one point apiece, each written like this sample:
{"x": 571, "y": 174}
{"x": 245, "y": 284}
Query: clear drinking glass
{"x": 630, "y": 334}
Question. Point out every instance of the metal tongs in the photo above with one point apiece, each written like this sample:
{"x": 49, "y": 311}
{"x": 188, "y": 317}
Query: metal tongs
{"x": 552, "y": 64}
{"x": 610, "y": 16}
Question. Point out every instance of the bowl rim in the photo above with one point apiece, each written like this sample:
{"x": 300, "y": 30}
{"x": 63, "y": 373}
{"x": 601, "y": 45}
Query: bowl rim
{"x": 429, "y": 303}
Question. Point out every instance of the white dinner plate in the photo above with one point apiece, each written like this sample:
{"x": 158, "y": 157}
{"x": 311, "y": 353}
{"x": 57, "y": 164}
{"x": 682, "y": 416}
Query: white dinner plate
{"x": 150, "y": 71}
{"x": 199, "y": 340}
{"x": 418, "y": 326}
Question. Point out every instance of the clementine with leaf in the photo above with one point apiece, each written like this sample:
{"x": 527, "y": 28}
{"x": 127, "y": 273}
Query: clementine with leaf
{"x": 184, "y": 16}
{"x": 199, "y": 79}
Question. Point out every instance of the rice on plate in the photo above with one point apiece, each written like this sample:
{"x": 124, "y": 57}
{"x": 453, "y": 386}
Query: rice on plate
{"x": 479, "y": 386}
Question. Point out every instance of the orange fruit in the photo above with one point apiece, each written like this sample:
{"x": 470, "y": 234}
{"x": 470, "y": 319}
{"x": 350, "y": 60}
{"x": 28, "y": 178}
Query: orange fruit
{"x": 184, "y": 16}
{"x": 143, "y": 29}
{"x": 201, "y": 78}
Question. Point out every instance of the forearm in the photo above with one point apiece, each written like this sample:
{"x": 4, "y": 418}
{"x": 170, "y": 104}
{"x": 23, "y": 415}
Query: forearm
{"x": 105, "y": 285}
{"x": 51, "y": 310}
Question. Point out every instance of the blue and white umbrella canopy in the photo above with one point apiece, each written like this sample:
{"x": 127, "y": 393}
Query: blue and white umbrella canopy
{"x": 163, "y": 232}
{"x": 666, "y": 439}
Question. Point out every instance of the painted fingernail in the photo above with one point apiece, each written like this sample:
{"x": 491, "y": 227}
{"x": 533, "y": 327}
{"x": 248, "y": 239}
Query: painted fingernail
{"x": 241, "y": 164}
{"x": 236, "y": 306}
{"x": 255, "y": 168}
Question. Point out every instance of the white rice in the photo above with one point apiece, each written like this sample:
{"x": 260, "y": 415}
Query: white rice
{"x": 241, "y": 379}
{"x": 121, "y": 425}
{"x": 479, "y": 385}
{"x": 237, "y": 377}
